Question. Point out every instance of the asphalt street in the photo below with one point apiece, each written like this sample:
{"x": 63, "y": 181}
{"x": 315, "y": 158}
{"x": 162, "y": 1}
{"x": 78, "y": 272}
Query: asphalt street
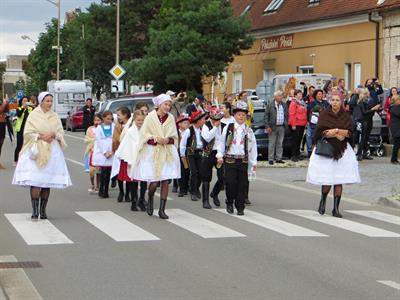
{"x": 281, "y": 250}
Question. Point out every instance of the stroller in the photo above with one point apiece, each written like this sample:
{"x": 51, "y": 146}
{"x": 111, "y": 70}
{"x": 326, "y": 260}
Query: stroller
{"x": 375, "y": 141}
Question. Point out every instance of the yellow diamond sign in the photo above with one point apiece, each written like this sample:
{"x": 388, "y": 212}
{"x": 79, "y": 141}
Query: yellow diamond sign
{"x": 117, "y": 71}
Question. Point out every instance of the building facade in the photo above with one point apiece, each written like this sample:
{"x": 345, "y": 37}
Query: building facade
{"x": 354, "y": 40}
{"x": 14, "y": 72}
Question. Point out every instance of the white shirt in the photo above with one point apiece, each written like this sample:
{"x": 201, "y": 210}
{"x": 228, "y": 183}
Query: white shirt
{"x": 208, "y": 134}
{"x": 185, "y": 137}
{"x": 237, "y": 147}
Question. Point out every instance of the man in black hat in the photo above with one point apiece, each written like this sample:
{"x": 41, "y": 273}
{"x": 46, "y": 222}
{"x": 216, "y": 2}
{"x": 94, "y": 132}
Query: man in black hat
{"x": 237, "y": 149}
{"x": 191, "y": 146}
{"x": 197, "y": 105}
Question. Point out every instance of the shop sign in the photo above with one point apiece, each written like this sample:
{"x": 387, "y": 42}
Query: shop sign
{"x": 275, "y": 43}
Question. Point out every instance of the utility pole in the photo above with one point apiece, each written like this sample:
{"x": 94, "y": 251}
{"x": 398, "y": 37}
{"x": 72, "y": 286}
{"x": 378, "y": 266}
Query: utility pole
{"x": 58, "y": 4}
{"x": 117, "y": 37}
{"x": 84, "y": 56}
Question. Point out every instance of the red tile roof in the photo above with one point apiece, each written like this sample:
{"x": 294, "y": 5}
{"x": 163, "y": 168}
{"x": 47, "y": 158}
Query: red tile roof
{"x": 298, "y": 11}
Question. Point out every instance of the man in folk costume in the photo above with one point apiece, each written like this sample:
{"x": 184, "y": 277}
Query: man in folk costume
{"x": 191, "y": 146}
{"x": 157, "y": 153}
{"x": 183, "y": 124}
{"x": 211, "y": 133}
{"x": 237, "y": 149}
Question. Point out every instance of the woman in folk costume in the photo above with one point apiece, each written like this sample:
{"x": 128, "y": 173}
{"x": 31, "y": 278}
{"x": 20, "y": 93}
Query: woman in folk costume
{"x": 41, "y": 164}
{"x": 158, "y": 159}
{"x": 123, "y": 119}
{"x": 127, "y": 155}
{"x": 90, "y": 138}
{"x": 102, "y": 152}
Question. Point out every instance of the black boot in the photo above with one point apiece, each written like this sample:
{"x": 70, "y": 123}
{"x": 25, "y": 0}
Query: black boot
{"x": 335, "y": 211}
{"x": 214, "y": 195}
{"x": 175, "y": 186}
{"x": 150, "y": 203}
{"x": 247, "y": 201}
{"x": 194, "y": 197}
{"x": 43, "y": 204}
{"x": 229, "y": 208}
{"x": 134, "y": 195}
{"x": 161, "y": 211}
{"x": 120, "y": 196}
{"x": 205, "y": 189}
{"x": 322, "y": 203}
{"x": 35, "y": 208}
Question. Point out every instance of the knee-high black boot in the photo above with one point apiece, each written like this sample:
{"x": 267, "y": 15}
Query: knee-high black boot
{"x": 215, "y": 192}
{"x": 335, "y": 211}
{"x": 150, "y": 204}
{"x": 322, "y": 203}
{"x": 127, "y": 189}
{"x": 134, "y": 195}
{"x": 35, "y": 208}
{"x": 121, "y": 191}
{"x": 43, "y": 204}
{"x": 205, "y": 190}
{"x": 161, "y": 211}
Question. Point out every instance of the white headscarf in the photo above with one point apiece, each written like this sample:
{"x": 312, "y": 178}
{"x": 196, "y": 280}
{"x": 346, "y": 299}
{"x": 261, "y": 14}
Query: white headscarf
{"x": 160, "y": 99}
{"x": 43, "y": 95}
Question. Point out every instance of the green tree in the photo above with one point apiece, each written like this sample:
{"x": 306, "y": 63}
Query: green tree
{"x": 189, "y": 40}
{"x": 2, "y": 70}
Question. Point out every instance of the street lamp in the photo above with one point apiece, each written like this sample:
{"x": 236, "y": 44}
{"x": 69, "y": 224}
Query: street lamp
{"x": 25, "y": 37}
{"x": 57, "y": 3}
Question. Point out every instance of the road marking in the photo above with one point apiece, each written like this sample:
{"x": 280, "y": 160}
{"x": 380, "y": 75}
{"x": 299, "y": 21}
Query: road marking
{"x": 74, "y": 137}
{"x": 303, "y": 189}
{"x": 273, "y": 224}
{"x": 40, "y": 232}
{"x": 390, "y": 283}
{"x": 200, "y": 226}
{"x": 75, "y": 162}
{"x": 377, "y": 215}
{"x": 116, "y": 227}
{"x": 343, "y": 223}
{"x": 16, "y": 283}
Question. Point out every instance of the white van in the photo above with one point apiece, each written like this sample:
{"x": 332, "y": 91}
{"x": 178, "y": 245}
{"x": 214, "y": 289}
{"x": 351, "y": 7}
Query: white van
{"x": 266, "y": 89}
{"x": 69, "y": 94}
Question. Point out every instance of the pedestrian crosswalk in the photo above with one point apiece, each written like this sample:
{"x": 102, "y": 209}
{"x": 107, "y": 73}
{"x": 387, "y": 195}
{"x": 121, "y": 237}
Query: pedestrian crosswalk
{"x": 125, "y": 229}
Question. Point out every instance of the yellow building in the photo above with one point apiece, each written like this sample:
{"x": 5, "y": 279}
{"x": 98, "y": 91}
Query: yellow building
{"x": 342, "y": 38}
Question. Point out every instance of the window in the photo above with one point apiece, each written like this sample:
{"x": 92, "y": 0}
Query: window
{"x": 237, "y": 82}
{"x": 246, "y": 10}
{"x": 306, "y": 69}
{"x": 347, "y": 76}
{"x": 269, "y": 74}
{"x": 313, "y": 2}
{"x": 357, "y": 75}
{"x": 273, "y": 6}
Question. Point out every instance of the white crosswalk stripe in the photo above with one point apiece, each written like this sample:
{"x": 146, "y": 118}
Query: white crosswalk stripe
{"x": 377, "y": 215}
{"x": 200, "y": 226}
{"x": 116, "y": 227}
{"x": 37, "y": 232}
{"x": 345, "y": 224}
{"x": 276, "y": 225}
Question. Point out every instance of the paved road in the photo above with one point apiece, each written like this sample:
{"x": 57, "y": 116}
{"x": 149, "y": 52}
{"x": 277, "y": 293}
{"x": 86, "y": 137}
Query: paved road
{"x": 95, "y": 248}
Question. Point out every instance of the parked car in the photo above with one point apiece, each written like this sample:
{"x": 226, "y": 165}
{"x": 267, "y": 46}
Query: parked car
{"x": 129, "y": 101}
{"x": 262, "y": 137}
{"x": 74, "y": 119}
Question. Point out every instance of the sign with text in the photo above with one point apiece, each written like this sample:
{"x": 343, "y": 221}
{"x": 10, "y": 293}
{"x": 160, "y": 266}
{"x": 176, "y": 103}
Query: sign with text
{"x": 275, "y": 43}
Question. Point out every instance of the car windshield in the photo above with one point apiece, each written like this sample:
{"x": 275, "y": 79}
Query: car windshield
{"x": 258, "y": 117}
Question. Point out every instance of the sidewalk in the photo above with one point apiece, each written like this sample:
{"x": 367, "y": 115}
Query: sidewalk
{"x": 379, "y": 179}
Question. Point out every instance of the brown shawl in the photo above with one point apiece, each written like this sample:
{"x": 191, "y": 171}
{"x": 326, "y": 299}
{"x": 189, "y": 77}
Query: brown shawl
{"x": 329, "y": 120}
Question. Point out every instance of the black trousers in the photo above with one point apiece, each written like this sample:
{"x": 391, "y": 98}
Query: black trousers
{"x": 206, "y": 172}
{"x": 297, "y": 136}
{"x": 236, "y": 182}
{"x": 184, "y": 180}
{"x": 2, "y": 134}
{"x": 395, "y": 149}
{"x": 105, "y": 175}
{"x": 366, "y": 128}
{"x": 195, "y": 161}
{"x": 143, "y": 189}
{"x": 20, "y": 142}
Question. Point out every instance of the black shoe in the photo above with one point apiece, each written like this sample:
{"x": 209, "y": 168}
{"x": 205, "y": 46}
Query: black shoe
{"x": 271, "y": 162}
{"x": 120, "y": 197}
{"x": 127, "y": 199}
{"x": 133, "y": 206}
{"x": 193, "y": 197}
{"x": 240, "y": 213}
{"x": 174, "y": 189}
{"x": 367, "y": 158}
{"x": 359, "y": 158}
{"x": 35, "y": 209}
{"x": 43, "y": 204}
{"x": 161, "y": 211}
{"x": 198, "y": 195}
{"x": 150, "y": 204}
{"x": 229, "y": 208}
{"x": 114, "y": 182}
{"x": 181, "y": 194}
{"x": 335, "y": 211}
{"x": 205, "y": 189}
{"x": 215, "y": 199}
{"x": 142, "y": 204}
{"x": 322, "y": 203}
{"x": 394, "y": 162}
{"x": 247, "y": 201}
{"x": 280, "y": 161}
{"x": 294, "y": 159}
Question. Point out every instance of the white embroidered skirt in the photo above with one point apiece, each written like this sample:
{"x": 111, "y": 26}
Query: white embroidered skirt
{"x": 326, "y": 171}
{"x": 53, "y": 175}
{"x": 145, "y": 168}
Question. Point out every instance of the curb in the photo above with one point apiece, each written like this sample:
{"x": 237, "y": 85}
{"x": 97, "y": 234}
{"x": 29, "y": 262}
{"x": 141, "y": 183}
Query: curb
{"x": 386, "y": 201}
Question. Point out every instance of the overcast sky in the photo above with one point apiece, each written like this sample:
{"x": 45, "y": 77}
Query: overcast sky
{"x": 28, "y": 17}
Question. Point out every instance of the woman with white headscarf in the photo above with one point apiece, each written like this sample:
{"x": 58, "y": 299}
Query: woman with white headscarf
{"x": 157, "y": 153}
{"x": 41, "y": 164}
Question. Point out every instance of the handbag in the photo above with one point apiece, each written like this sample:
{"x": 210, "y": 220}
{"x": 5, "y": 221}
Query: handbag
{"x": 34, "y": 151}
{"x": 324, "y": 148}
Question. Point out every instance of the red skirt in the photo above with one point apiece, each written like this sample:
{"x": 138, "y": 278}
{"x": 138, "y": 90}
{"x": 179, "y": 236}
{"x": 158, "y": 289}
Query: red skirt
{"x": 123, "y": 172}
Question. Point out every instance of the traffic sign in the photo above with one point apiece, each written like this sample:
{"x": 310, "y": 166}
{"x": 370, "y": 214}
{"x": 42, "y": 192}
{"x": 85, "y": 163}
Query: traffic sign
{"x": 20, "y": 94}
{"x": 117, "y": 71}
{"x": 117, "y": 86}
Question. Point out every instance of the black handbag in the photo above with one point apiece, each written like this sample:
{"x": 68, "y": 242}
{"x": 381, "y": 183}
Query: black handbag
{"x": 324, "y": 148}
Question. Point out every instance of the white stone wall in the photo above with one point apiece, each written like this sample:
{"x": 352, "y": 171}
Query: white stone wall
{"x": 391, "y": 49}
